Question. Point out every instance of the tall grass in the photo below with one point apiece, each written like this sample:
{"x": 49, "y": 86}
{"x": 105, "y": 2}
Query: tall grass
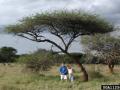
{"x": 13, "y": 78}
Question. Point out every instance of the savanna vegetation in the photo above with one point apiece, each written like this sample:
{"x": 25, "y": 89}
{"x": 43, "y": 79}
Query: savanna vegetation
{"x": 40, "y": 70}
{"x": 65, "y": 25}
{"x": 15, "y": 77}
{"x": 8, "y": 54}
{"x": 106, "y": 47}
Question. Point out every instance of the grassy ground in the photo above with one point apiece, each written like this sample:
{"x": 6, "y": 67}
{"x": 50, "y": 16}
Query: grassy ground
{"x": 14, "y": 77}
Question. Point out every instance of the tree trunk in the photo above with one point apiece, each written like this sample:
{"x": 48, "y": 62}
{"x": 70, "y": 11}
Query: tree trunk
{"x": 76, "y": 58}
{"x": 85, "y": 74}
{"x": 111, "y": 66}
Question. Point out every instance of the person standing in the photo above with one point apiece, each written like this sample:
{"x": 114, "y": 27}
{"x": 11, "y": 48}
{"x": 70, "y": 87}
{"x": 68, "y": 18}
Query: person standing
{"x": 70, "y": 72}
{"x": 63, "y": 72}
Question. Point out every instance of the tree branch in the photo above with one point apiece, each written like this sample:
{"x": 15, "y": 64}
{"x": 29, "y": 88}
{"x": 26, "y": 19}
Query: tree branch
{"x": 21, "y": 35}
{"x": 56, "y": 33}
{"x": 74, "y": 36}
{"x": 34, "y": 38}
{"x": 52, "y": 42}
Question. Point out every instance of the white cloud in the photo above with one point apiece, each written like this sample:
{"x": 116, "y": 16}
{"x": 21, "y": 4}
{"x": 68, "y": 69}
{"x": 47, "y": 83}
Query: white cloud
{"x": 13, "y": 10}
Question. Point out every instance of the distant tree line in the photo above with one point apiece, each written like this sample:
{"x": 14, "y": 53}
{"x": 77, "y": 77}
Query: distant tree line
{"x": 7, "y": 54}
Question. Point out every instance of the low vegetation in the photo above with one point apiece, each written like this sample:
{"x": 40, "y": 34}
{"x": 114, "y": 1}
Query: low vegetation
{"x": 14, "y": 77}
{"x": 67, "y": 26}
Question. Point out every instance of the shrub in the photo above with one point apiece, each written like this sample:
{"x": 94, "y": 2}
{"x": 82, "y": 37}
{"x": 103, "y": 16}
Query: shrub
{"x": 39, "y": 65}
{"x": 8, "y": 54}
{"x": 23, "y": 58}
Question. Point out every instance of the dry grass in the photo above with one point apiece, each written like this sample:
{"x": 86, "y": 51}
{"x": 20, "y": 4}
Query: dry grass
{"x": 14, "y": 77}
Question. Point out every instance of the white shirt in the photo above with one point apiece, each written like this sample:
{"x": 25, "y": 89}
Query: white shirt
{"x": 70, "y": 71}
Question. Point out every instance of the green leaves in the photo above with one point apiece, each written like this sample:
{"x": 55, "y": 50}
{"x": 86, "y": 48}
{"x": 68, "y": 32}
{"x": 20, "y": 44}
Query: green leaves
{"x": 7, "y": 54}
{"x": 106, "y": 46}
{"x": 64, "y": 21}
{"x": 62, "y": 24}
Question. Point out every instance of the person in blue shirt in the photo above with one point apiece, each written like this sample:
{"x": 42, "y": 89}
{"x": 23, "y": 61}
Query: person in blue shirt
{"x": 63, "y": 72}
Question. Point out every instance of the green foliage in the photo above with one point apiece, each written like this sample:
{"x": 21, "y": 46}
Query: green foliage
{"x": 7, "y": 54}
{"x": 106, "y": 46}
{"x": 66, "y": 23}
{"x": 89, "y": 58}
{"x": 37, "y": 61}
{"x": 55, "y": 58}
{"x": 99, "y": 40}
{"x": 23, "y": 58}
{"x": 36, "y": 65}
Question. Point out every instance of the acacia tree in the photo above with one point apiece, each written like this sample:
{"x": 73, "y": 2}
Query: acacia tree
{"x": 65, "y": 25}
{"x": 106, "y": 47}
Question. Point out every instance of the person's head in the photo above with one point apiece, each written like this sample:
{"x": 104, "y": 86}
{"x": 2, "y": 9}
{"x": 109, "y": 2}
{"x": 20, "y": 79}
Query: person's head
{"x": 69, "y": 66}
{"x": 62, "y": 64}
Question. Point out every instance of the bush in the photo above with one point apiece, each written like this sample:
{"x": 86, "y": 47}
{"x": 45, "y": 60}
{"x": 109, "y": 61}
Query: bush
{"x": 8, "y": 54}
{"x": 39, "y": 65}
{"x": 23, "y": 58}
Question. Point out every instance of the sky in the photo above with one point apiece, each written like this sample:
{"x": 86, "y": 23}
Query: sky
{"x": 11, "y": 11}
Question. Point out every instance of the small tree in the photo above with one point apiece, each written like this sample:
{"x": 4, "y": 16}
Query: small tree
{"x": 105, "y": 47}
{"x": 7, "y": 54}
{"x": 65, "y": 25}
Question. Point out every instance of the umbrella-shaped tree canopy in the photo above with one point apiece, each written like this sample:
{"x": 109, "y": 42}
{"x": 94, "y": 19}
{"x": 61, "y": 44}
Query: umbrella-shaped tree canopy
{"x": 60, "y": 23}
{"x": 64, "y": 21}
{"x": 65, "y": 25}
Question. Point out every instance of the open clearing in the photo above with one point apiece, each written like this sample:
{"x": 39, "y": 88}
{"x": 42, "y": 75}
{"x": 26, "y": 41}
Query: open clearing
{"x": 15, "y": 77}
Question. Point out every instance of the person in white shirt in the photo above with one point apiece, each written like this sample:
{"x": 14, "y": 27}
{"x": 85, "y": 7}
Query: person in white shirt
{"x": 70, "y": 72}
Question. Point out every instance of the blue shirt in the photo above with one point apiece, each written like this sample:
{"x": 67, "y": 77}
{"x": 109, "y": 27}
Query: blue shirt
{"x": 63, "y": 70}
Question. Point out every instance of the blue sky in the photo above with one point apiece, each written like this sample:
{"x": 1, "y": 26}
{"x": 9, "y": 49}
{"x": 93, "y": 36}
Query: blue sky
{"x": 13, "y": 10}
